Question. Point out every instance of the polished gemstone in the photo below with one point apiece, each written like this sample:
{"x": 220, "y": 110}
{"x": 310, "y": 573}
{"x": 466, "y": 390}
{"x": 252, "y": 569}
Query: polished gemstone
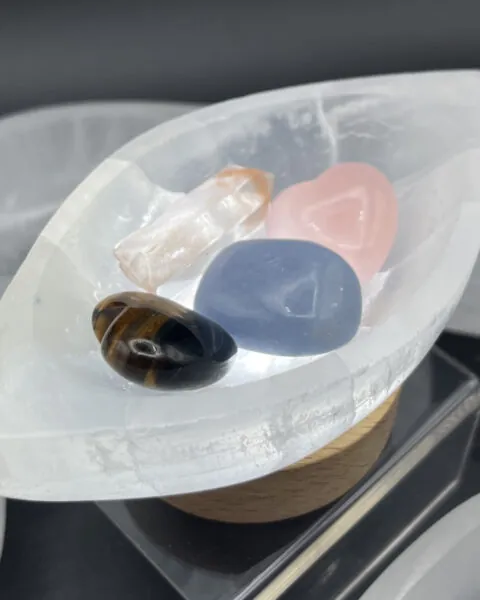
{"x": 158, "y": 343}
{"x": 235, "y": 200}
{"x": 351, "y": 209}
{"x": 284, "y": 297}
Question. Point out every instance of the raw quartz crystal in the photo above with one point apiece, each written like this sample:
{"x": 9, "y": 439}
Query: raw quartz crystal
{"x": 236, "y": 198}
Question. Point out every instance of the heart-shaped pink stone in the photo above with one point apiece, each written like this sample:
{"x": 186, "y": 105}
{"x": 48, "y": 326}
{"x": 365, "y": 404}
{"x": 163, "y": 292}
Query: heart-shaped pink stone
{"x": 350, "y": 209}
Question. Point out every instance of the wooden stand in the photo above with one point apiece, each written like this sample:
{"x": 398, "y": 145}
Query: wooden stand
{"x": 310, "y": 484}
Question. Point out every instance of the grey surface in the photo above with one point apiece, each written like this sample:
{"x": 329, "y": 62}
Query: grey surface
{"x": 466, "y": 318}
{"x": 440, "y": 565}
{"x": 71, "y": 552}
{"x": 54, "y": 51}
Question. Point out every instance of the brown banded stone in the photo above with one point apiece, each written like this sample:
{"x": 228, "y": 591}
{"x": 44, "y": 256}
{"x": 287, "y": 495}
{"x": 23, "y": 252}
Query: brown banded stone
{"x": 158, "y": 343}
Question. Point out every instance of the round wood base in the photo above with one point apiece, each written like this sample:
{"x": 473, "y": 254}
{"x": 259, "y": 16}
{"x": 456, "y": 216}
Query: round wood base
{"x": 310, "y": 484}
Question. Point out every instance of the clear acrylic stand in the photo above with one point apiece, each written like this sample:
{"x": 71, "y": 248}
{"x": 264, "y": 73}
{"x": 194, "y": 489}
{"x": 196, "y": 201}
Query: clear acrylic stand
{"x": 336, "y": 552}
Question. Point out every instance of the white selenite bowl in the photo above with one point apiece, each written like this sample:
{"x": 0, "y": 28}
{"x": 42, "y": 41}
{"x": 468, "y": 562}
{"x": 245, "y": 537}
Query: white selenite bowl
{"x": 72, "y": 429}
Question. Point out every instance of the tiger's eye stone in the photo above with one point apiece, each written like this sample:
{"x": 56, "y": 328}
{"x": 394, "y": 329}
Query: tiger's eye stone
{"x": 232, "y": 203}
{"x": 351, "y": 209}
{"x": 160, "y": 344}
{"x": 285, "y": 297}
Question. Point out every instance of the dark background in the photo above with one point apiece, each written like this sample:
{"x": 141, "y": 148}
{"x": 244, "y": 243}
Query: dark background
{"x": 56, "y": 51}
{"x": 209, "y": 50}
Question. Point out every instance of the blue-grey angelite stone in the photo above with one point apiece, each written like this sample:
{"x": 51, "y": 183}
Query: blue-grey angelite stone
{"x": 284, "y": 297}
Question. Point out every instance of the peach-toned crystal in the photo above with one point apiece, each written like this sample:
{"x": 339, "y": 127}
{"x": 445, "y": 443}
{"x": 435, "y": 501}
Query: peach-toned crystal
{"x": 350, "y": 209}
{"x": 235, "y": 197}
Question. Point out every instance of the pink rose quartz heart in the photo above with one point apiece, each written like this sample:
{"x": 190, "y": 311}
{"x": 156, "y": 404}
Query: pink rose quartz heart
{"x": 350, "y": 209}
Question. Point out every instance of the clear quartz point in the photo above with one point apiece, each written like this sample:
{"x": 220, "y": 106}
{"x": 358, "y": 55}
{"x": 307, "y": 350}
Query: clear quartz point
{"x": 235, "y": 198}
